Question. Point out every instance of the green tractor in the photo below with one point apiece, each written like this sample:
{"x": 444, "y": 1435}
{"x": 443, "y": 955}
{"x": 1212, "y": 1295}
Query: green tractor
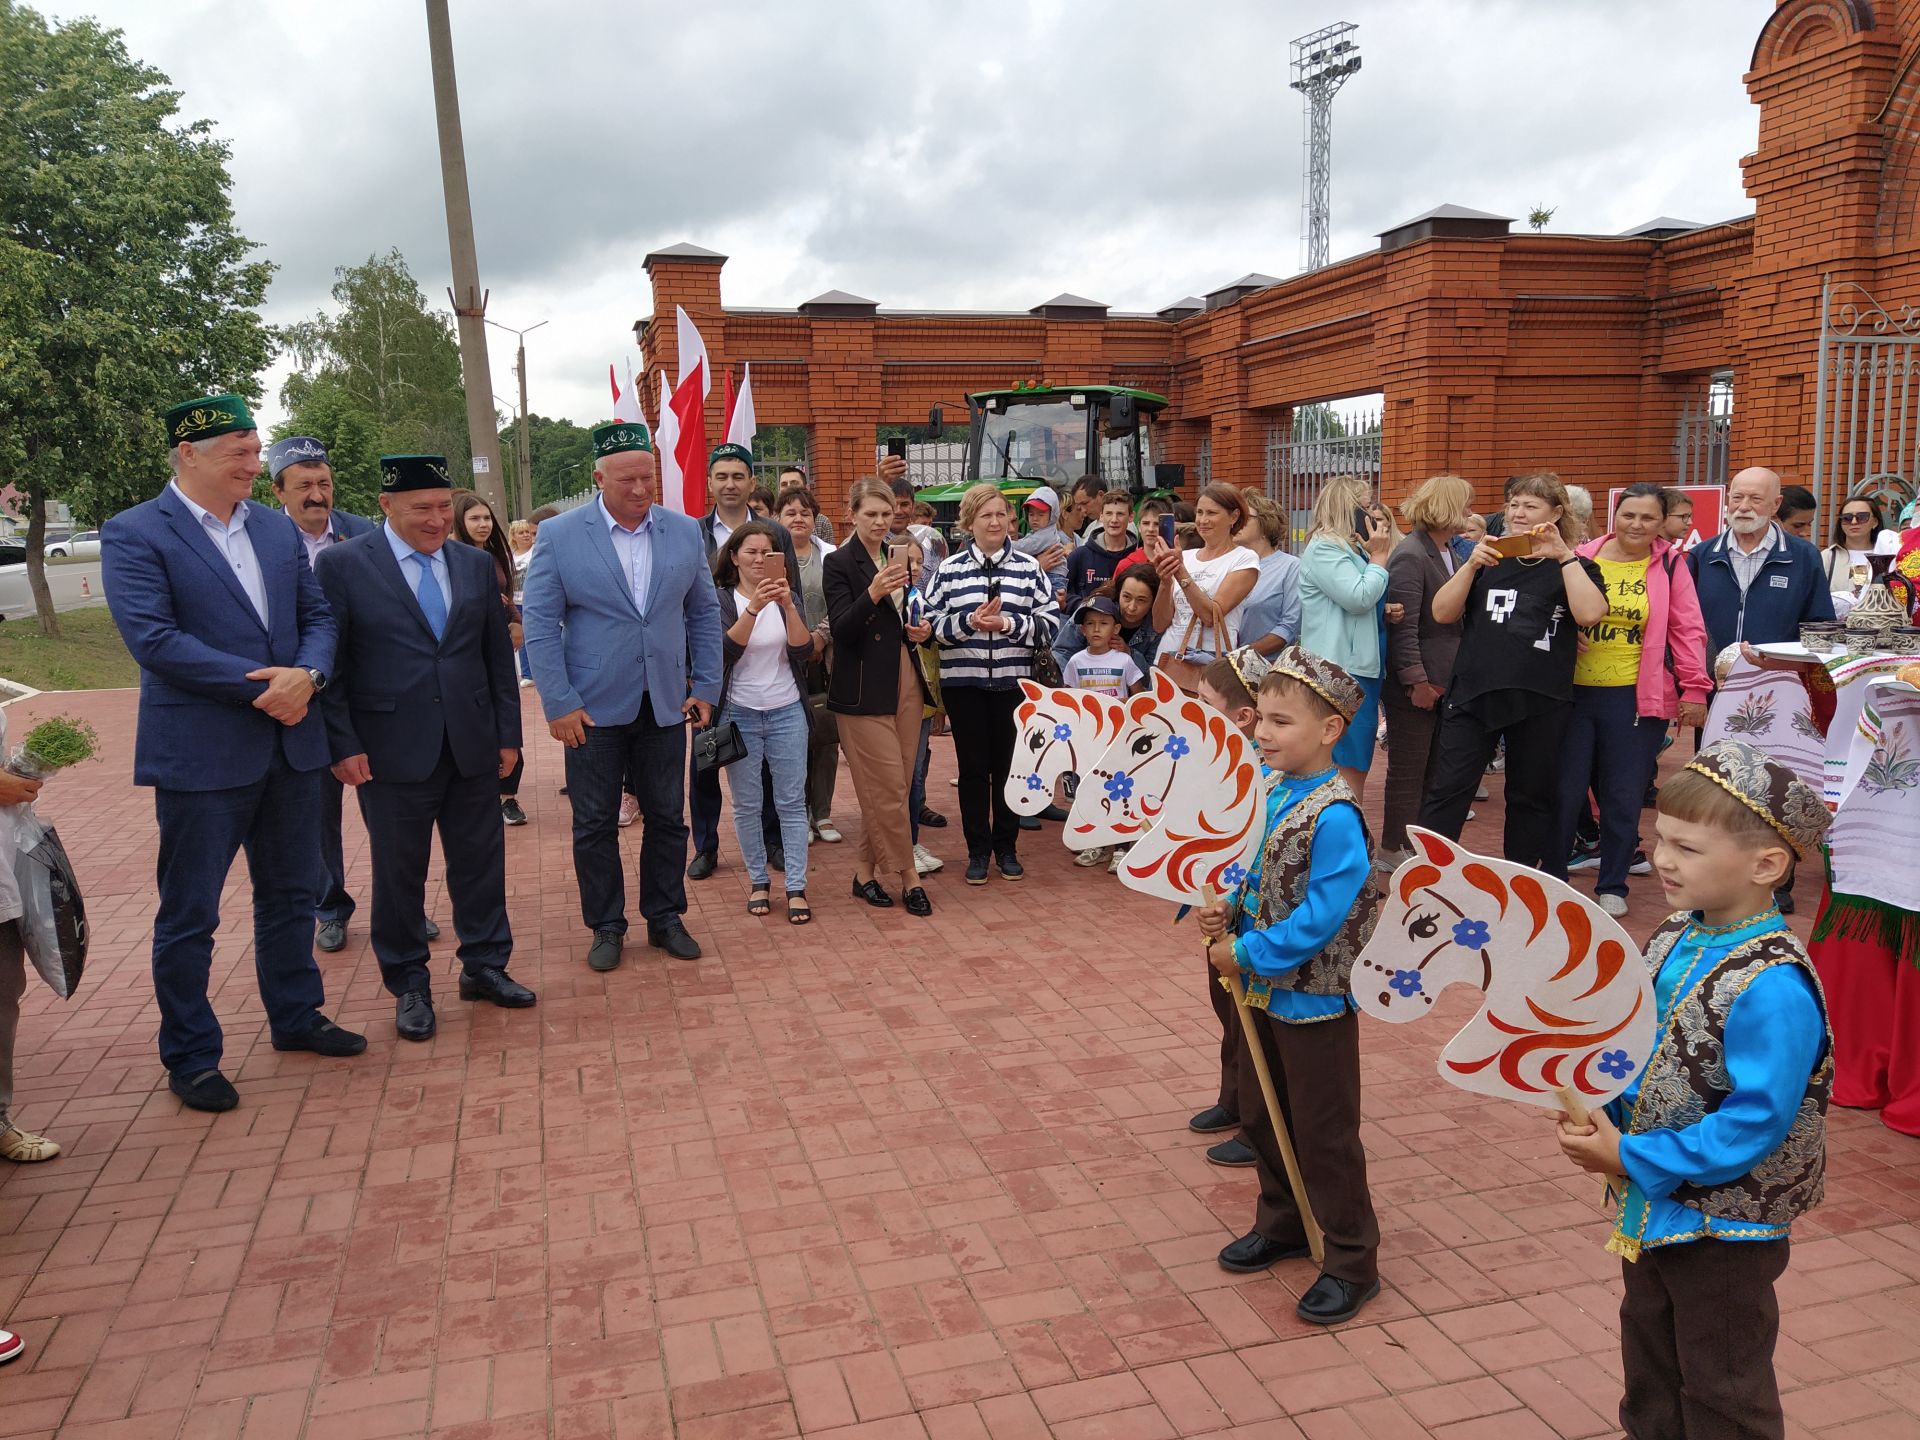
{"x": 1034, "y": 435}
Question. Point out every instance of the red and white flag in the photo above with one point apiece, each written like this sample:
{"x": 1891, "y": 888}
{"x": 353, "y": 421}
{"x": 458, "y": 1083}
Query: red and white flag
{"x": 689, "y": 408}
{"x": 665, "y": 438}
{"x": 626, "y": 403}
{"x": 740, "y": 422}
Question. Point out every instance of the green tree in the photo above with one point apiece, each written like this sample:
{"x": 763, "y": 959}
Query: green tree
{"x": 124, "y": 286}
{"x": 378, "y": 375}
{"x": 562, "y": 458}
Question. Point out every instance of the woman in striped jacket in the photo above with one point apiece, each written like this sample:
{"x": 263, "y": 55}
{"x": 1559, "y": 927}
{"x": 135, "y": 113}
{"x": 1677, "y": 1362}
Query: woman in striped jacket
{"x": 990, "y": 607}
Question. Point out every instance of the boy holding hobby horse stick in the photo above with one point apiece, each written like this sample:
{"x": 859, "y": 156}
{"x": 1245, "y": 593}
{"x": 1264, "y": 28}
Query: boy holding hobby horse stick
{"x": 1723, "y": 1136}
{"x": 1304, "y": 913}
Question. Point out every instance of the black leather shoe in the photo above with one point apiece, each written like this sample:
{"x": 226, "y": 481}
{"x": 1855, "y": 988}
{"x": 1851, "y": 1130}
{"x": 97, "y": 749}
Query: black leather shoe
{"x": 413, "y": 1016}
{"x": 1235, "y": 1154}
{"x": 433, "y": 930}
{"x": 1331, "y": 1301}
{"x": 1212, "y": 1120}
{"x": 917, "y": 903}
{"x": 675, "y": 940}
{"x": 872, "y": 894}
{"x": 494, "y": 984}
{"x": 209, "y": 1090}
{"x": 932, "y": 819}
{"x": 331, "y": 936}
{"x": 1253, "y": 1252}
{"x": 776, "y": 857}
{"x": 604, "y": 954}
{"x": 704, "y": 864}
{"x": 323, "y": 1037}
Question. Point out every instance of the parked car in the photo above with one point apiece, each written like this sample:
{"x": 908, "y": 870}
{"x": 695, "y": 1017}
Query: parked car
{"x": 13, "y": 551}
{"x": 85, "y": 545}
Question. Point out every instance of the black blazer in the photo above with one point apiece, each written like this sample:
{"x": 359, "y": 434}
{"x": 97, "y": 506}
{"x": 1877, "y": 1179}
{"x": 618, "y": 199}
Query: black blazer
{"x": 867, "y": 638}
{"x": 396, "y": 695}
{"x": 730, "y": 653}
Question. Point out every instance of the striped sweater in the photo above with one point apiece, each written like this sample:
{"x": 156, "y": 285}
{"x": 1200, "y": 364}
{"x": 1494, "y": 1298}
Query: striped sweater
{"x": 1002, "y": 659}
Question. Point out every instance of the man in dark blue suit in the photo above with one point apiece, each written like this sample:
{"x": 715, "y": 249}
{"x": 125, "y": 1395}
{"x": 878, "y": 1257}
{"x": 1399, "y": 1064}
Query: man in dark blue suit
{"x": 215, "y": 602}
{"x": 424, "y": 718}
{"x": 302, "y": 478}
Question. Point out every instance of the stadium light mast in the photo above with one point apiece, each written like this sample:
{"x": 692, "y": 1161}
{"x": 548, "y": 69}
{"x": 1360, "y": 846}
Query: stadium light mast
{"x": 1322, "y": 63}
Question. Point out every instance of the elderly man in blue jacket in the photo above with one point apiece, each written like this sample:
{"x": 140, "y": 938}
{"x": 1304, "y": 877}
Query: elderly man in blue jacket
{"x": 1756, "y": 582}
{"x": 216, "y": 603}
{"x": 622, "y": 630}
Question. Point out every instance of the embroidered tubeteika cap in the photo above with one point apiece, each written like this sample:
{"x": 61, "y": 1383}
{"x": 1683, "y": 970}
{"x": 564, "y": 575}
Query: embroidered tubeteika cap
{"x": 1770, "y": 790}
{"x": 1323, "y": 677}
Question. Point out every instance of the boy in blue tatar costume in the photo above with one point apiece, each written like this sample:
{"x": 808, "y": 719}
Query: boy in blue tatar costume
{"x": 1723, "y": 1137}
{"x": 1296, "y": 925}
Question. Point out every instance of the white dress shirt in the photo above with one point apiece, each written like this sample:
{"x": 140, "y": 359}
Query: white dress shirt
{"x": 403, "y": 553}
{"x": 316, "y": 543}
{"x": 229, "y": 537}
{"x": 633, "y": 548}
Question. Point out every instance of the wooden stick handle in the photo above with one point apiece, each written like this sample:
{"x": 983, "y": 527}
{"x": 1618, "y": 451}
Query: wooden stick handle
{"x": 1577, "y": 1112}
{"x": 1316, "y": 1245}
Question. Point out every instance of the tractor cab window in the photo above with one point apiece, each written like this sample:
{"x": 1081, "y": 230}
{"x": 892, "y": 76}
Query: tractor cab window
{"x": 1121, "y": 460}
{"x": 1045, "y": 442}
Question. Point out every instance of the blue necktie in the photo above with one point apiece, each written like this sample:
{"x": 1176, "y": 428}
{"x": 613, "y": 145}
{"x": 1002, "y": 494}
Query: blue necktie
{"x": 432, "y": 603}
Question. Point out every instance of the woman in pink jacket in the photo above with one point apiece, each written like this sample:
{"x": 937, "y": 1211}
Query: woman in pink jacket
{"x": 1641, "y": 667}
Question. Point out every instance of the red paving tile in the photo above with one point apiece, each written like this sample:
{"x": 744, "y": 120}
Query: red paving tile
{"x": 876, "y": 1179}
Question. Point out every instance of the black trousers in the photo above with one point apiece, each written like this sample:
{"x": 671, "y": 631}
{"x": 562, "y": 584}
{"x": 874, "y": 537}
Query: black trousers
{"x": 654, "y": 757}
{"x": 511, "y": 784}
{"x": 1461, "y": 751}
{"x": 1412, "y": 734}
{"x": 335, "y": 902}
{"x": 983, "y": 736}
{"x": 1698, "y": 1322}
{"x": 703, "y": 800}
{"x": 1316, "y": 1077}
{"x": 400, "y": 823}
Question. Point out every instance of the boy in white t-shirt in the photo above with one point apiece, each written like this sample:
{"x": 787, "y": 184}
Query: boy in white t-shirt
{"x": 1105, "y": 665}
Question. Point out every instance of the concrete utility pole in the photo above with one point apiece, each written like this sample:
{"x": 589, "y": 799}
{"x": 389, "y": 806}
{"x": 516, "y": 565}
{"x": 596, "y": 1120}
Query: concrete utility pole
{"x": 523, "y": 448}
{"x": 469, "y": 300}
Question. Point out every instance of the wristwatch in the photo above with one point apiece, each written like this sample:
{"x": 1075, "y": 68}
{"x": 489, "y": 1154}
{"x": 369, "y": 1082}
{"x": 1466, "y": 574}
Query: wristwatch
{"x": 319, "y": 679}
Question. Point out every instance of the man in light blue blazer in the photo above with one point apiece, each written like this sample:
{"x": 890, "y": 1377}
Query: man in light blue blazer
{"x": 216, "y": 603}
{"x": 617, "y": 608}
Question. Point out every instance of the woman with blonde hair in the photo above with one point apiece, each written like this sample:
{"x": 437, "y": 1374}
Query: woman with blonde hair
{"x": 1343, "y": 579}
{"x": 1513, "y": 674}
{"x": 990, "y": 607}
{"x": 1420, "y": 649}
{"x": 877, "y": 690}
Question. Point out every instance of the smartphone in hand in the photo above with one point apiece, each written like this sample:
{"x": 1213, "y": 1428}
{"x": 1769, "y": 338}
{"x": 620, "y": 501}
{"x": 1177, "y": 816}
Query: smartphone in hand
{"x": 897, "y": 447}
{"x": 1512, "y": 545}
{"x": 1166, "y": 531}
{"x": 899, "y": 552}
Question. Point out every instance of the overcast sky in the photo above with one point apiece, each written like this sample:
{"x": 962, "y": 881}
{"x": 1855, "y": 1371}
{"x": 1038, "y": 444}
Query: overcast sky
{"x": 984, "y": 156}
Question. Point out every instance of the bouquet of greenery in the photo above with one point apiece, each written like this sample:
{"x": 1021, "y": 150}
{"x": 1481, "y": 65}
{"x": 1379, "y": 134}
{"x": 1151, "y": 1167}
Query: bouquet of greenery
{"x": 52, "y": 745}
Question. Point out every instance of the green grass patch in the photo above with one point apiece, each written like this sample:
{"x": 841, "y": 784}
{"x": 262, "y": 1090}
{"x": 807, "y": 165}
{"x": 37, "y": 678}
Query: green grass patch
{"x": 88, "y": 655}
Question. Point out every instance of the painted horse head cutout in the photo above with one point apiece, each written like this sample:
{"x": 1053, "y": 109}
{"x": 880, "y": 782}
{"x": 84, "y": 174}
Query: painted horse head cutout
{"x": 1058, "y": 731}
{"x": 1567, "y": 1001}
{"x": 1120, "y": 793}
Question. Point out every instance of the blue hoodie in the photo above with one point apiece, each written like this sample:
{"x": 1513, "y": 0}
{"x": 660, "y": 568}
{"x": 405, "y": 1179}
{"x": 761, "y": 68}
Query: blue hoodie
{"x": 1791, "y": 588}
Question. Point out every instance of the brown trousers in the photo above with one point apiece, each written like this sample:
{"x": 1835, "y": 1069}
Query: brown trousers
{"x": 881, "y": 751}
{"x": 1697, "y": 1326}
{"x": 1233, "y": 1042}
{"x": 1316, "y": 1076}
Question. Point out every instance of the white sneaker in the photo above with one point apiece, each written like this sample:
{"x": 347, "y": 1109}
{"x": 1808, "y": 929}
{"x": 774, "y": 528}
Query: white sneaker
{"x": 629, "y": 810}
{"x": 827, "y": 833}
{"x": 1087, "y": 859}
{"x": 1117, "y": 859}
{"x": 1613, "y": 904}
{"x": 1391, "y": 860}
{"x": 1483, "y": 793}
{"x": 526, "y": 682}
{"x": 925, "y": 862}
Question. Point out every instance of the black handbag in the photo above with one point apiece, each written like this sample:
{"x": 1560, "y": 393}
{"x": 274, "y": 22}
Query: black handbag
{"x": 718, "y": 746}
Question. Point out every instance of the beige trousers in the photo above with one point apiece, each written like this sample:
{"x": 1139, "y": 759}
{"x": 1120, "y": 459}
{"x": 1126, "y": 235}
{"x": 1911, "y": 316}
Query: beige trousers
{"x": 881, "y": 750}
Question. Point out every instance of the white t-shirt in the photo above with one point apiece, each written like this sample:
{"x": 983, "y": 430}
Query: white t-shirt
{"x": 1114, "y": 673}
{"x": 1208, "y": 575}
{"x": 762, "y": 679}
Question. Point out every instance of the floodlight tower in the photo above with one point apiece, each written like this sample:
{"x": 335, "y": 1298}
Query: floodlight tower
{"x": 1322, "y": 62}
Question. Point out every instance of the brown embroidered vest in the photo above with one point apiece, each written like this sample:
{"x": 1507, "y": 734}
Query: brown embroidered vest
{"x": 1283, "y": 888}
{"x": 1686, "y": 1080}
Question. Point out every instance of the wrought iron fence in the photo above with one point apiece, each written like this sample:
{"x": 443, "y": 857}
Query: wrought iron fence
{"x": 1319, "y": 444}
{"x": 1703, "y": 436}
{"x": 1866, "y": 416}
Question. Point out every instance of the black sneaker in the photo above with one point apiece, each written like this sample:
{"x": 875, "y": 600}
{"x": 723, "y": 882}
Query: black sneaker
{"x": 976, "y": 870}
{"x": 932, "y": 818}
{"x": 1235, "y": 1154}
{"x": 511, "y": 812}
{"x": 1011, "y": 868}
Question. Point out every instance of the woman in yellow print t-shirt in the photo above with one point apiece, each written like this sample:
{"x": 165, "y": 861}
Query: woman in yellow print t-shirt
{"x": 1642, "y": 665}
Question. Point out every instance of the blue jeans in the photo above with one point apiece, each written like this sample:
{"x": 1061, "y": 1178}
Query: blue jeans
{"x": 917, "y": 795}
{"x": 778, "y": 737}
{"x": 1609, "y": 745}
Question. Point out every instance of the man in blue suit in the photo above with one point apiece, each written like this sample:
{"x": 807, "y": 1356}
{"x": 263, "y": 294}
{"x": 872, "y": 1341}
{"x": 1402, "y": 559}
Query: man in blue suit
{"x": 302, "y": 478}
{"x": 423, "y": 716}
{"x": 618, "y": 605}
{"x": 217, "y": 605}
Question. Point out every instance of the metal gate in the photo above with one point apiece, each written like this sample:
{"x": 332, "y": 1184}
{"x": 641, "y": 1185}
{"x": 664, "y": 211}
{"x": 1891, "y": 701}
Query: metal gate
{"x": 1866, "y": 412}
{"x": 1319, "y": 445}
{"x": 1701, "y": 439}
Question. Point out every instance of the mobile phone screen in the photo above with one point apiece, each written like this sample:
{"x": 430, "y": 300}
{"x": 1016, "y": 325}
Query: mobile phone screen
{"x": 897, "y": 447}
{"x": 1166, "y": 531}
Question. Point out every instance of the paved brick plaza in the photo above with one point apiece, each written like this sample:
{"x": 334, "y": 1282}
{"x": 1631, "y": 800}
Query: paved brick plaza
{"x": 880, "y": 1178}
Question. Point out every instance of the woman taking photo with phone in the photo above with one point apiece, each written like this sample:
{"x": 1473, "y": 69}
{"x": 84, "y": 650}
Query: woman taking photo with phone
{"x": 474, "y": 524}
{"x": 991, "y": 607}
{"x": 765, "y": 646}
{"x": 1197, "y": 611}
{"x": 1519, "y": 601}
{"x": 1343, "y": 582}
{"x": 877, "y": 692}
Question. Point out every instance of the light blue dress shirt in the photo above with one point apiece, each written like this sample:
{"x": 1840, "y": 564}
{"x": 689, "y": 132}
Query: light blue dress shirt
{"x": 1337, "y": 868}
{"x": 1774, "y": 1036}
{"x": 229, "y": 537}
{"x": 403, "y": 553}
{"x": 634, "y": 550}
{"x": 1272, "y": 607}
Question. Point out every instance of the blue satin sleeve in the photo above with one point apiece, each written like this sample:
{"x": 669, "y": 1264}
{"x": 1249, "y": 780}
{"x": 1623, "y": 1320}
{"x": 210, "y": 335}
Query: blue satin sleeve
{"x": 1774, "y": 1036}
{"x": 1337, "y": 869}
